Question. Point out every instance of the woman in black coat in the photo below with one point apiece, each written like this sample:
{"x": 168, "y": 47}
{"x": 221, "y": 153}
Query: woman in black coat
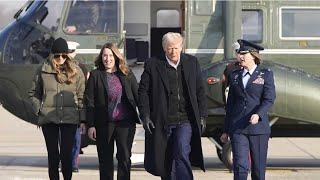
{"x": 111, "y": 96}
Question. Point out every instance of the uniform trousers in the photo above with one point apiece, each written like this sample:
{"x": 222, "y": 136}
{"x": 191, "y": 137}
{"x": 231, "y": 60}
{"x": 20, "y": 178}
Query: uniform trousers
{"x": 122, "y": 134}
{"x": 178, "y": 152}
{"x": 257, "y": 146}
{"x": 51, "y": 134}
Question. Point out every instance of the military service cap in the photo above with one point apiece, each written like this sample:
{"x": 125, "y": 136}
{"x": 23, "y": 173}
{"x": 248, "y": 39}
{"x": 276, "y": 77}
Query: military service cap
{"x": 247, "y": 46}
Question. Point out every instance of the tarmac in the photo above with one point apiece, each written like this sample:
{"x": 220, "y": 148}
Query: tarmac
{"x": 23, "y": 156}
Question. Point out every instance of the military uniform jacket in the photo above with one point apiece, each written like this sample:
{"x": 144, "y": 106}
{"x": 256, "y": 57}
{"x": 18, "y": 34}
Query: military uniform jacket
{"x": 256, "y": 98}
{"x": 55, "y": 102}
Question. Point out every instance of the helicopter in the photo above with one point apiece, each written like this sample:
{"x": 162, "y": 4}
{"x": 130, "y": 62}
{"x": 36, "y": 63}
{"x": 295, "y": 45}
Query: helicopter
{"x": 287, "y": 29}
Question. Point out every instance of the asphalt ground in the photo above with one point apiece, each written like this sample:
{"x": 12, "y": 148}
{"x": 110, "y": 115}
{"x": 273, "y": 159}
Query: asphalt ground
{"x": 23, "y": 156}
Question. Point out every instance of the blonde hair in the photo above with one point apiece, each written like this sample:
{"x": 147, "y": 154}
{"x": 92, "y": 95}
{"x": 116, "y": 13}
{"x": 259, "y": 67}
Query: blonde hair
{"x": 68, "y": 73}
{"x": 120, "y": 61}
{"x": 257, "y": 57}
{"x": 171, "y": 36}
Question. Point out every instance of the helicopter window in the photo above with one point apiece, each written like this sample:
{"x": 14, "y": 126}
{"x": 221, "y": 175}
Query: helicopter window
{"x": 52, "y": 19}
{"x": 207, "y": 7}
{"x": 164, "y": 15}
{"x": 299, "y": 23}
{"x": 92, "y": 17}
{"x": 252, "y": 25}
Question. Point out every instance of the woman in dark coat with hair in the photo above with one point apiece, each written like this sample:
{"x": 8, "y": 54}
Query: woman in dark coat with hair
{"x": 111, "y": 97}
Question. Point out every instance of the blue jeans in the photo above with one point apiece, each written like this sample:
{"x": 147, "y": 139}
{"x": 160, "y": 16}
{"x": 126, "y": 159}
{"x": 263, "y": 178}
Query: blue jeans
{"x": 179, "y": 136}
{"x": 76, "y": 149}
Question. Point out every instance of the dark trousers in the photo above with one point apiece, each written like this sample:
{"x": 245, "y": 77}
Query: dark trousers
{"x": 51, "y": 134}
{"x": 178, "y": 153}
{"x": 257, "y": 146}
{"x": 123, "y": 135}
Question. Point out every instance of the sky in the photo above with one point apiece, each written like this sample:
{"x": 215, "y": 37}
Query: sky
{"x": 8, "y": 9}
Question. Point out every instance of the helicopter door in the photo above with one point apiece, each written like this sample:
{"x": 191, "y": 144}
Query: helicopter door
{"x": 166, "y": 17}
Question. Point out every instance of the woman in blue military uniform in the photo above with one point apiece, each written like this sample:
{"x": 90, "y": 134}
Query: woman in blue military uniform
{"x": 251, "y": 94}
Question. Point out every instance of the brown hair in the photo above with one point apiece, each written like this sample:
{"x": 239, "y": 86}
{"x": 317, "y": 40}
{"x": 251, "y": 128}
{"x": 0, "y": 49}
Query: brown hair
{"x": 120, "y": 62}
{"x": 257, "y": 57}
{"x": 66, "y": 73}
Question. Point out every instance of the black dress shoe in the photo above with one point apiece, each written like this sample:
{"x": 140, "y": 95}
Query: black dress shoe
{"x": 75, "y": 170}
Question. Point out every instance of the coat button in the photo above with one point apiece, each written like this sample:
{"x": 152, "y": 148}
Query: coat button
{"x": 61, "y": 94}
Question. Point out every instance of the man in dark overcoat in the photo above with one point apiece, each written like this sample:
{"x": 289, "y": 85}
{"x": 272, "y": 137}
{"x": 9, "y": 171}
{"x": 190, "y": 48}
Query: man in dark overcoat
{"x": 173, "y": 109}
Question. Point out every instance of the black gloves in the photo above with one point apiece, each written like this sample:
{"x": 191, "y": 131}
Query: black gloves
{"x": 203, "y": 124}
{"x": 147, "y": 123}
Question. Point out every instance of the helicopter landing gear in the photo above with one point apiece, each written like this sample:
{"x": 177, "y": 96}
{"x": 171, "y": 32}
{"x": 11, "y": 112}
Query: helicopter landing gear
{"x": 227, "y": 155}
{"x": 224, "y": 152}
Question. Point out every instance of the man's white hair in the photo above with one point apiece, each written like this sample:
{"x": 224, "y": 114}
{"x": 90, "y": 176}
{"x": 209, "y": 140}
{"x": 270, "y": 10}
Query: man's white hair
{"x": 171, "y": 36}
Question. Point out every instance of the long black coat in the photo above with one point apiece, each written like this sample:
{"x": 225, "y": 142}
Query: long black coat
{"x": 96, "y": 96}
{"x": 153, "y": 102}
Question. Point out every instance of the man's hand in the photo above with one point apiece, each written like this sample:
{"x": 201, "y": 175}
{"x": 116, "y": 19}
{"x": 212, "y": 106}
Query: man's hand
{"x": 147, "y": 123}
{"x": 203, "y": 124}
{"x": 254, "y": 119}
{"x": 224, "y": 138}
{"x": 92, "y": 133}
{"x": 71, "y": 29}
{"x": 82, "y": 128}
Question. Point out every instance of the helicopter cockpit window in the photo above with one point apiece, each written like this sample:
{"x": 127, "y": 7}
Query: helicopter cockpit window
{"x": 252, "y": 25}
{"x": 92, "y": 17}
{"x": 53, "y": 18}
{"x": 31, "y": 39}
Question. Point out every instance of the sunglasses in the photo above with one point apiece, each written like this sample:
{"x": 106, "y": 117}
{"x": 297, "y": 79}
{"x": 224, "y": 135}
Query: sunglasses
{"x": 56, "y": 56}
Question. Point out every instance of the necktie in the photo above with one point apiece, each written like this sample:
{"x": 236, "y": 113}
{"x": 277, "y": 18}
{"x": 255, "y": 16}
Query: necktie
{"x": 245, "y": 79}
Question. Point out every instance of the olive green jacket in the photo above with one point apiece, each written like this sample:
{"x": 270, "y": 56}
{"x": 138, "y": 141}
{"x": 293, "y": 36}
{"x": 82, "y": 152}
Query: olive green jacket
{"x": 56, "y": 102}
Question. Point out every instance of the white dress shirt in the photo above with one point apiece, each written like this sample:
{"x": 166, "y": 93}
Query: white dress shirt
{"x": 172, "y": 64}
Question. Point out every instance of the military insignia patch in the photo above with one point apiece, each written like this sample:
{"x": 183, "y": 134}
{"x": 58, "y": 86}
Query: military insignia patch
{"x": 259, "y": 80}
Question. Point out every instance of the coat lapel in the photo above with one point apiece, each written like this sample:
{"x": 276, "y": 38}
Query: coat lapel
{"x": 240, "y": 79}
{"x": 161, "y": 67}
{"x": 104, "y": 80}
{"x": 185, "y": 68}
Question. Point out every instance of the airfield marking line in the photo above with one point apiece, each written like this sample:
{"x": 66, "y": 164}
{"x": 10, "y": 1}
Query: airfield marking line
{"x": 303, "y": 150}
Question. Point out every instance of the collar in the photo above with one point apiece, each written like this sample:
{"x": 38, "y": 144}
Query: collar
{"x": 250, "y": 72}
{"x": 172, "y": 64}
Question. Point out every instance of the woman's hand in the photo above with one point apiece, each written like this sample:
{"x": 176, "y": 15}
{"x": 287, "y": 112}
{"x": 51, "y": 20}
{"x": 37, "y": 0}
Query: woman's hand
{"x": 92, "y": 133}
{"x": 224, "y": 138}
{"x": 254, "y": 119}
